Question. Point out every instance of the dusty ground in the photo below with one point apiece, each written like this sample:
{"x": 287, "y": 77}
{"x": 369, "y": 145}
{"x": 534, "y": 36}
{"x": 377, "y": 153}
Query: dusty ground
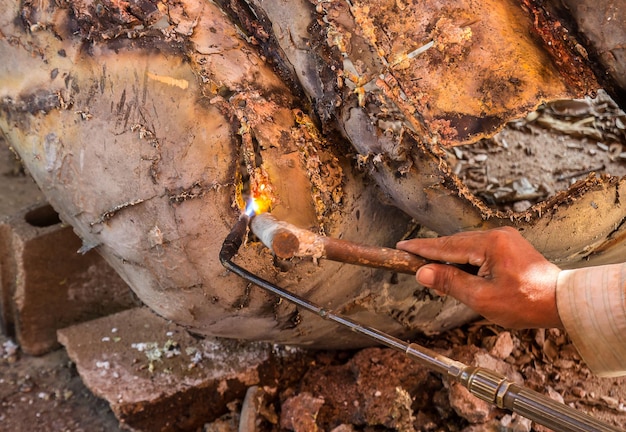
{"x": 546, "y": 152}
{"x": 378, "y": 389}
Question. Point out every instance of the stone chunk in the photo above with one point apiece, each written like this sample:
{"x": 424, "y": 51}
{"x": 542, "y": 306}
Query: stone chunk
{"x": 300, "y": 411}
{"x": 46, "y": 284}
{"x": 503, "y": 347}
{"x": 380, "y": 388}
{"x": 158, "y": 377}
{"x": 468, "y": 406}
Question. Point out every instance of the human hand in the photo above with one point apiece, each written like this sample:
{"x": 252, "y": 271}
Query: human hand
{"x": 515, "y": 286}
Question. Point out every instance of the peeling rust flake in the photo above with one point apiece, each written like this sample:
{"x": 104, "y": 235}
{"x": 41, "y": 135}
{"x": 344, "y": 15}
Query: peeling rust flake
{"x": 567, "y": 54}
{"x": 465, "y": 67}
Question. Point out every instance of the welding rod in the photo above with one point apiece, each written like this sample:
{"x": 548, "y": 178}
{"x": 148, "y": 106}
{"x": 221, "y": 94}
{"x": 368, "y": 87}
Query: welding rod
{"x": 483, "y": 383}
{"x": 287, "y": 241}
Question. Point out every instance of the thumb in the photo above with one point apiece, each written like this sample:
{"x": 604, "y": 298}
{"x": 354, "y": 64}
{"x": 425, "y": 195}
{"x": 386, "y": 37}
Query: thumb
{"x": 446, "y": 280}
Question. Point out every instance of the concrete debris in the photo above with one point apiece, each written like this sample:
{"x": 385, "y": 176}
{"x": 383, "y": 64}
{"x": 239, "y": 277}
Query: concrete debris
{"x": 156, "y": 376}
{"x": 503, "y": 346}
{"x": 469, "y": 407}
{"x": 513, "y": 422}
{"x": 376, "y": 387}
{"x": 554, "y": 395}
{"x": 9, "y": 351}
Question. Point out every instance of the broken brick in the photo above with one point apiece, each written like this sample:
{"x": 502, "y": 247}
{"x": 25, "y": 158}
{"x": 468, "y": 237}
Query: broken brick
{"x": 157, "y": 376}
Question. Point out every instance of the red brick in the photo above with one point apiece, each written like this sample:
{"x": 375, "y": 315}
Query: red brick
{"x": 46, "y": 284}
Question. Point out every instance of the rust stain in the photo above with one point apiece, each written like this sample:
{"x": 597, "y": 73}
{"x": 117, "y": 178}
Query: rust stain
{"x": 568, "y": 55}
{"x": 465, "y": 67}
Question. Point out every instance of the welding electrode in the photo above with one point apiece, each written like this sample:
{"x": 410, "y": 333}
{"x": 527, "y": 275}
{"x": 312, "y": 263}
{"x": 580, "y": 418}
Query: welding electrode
{"x": 483, "y": 383}
{"x": 288, "y": 241}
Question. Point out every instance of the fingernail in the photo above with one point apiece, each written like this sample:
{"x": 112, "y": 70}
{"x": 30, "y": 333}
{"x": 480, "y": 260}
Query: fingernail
{"x": 426, "y": 276}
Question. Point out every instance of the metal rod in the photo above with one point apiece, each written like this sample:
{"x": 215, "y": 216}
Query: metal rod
{"x": 287, "y": 241}
{"x": 482, "y": 383}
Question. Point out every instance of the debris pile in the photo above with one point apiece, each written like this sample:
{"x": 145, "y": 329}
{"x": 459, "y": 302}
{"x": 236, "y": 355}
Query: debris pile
{"x": 545, "y": 152}
{"x": 381, "y": 389}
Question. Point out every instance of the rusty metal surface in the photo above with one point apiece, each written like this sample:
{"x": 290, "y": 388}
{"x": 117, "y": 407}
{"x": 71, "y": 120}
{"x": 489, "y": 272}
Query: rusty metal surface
{"x": 141, "y": 130}
{"x": 143, "y": 126}
{"x": 464, "y": 68}
{"x": 601, "y": 26}
{"x": 395, "y": 109}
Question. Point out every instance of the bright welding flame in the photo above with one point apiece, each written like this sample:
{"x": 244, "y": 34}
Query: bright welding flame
{"x": 261, "y": 201}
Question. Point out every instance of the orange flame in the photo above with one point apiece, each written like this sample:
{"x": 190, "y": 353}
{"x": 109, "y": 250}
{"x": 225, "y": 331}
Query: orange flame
{"x": 261, "y": 198}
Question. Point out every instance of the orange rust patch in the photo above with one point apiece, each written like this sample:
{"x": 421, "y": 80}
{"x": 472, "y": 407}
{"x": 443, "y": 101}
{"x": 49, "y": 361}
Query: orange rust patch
{"x": 467, "y": 67}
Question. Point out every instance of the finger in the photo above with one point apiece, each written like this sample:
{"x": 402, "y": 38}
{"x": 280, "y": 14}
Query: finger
{"x": 449, "y": 280}
{"x": 463, "y": 248}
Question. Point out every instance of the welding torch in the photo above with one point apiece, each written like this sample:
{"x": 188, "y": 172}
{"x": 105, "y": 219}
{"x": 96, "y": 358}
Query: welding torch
{"x": 483, "y": 383}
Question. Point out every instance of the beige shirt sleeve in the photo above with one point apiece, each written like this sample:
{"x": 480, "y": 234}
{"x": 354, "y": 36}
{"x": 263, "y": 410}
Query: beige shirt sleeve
{"x": 592, "y": 305}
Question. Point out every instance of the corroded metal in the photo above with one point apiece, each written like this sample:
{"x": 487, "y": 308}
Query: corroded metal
{"x": 498, "y": 60}
{"x": 146, "y": 130}
{"x": 146, "y": 125}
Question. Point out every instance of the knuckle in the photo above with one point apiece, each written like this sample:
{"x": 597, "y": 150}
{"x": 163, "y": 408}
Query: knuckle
{"x": 505, "y": 232}
{"x": 446, "y": 280}
{"x": 502, "y": 236}
{"x": 476, "y": 259}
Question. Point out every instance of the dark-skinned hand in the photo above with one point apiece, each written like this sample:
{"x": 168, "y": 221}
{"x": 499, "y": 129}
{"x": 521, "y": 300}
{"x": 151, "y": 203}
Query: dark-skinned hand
{"x": 515, "y": 286}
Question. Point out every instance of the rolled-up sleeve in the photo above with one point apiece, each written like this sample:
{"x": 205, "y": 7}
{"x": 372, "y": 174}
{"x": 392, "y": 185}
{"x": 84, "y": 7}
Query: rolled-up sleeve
{"x": 592, "y": 305}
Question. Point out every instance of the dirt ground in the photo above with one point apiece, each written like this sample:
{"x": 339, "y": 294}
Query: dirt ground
{"x": 380, "y": 389}
{"x": 544, "y": 153}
